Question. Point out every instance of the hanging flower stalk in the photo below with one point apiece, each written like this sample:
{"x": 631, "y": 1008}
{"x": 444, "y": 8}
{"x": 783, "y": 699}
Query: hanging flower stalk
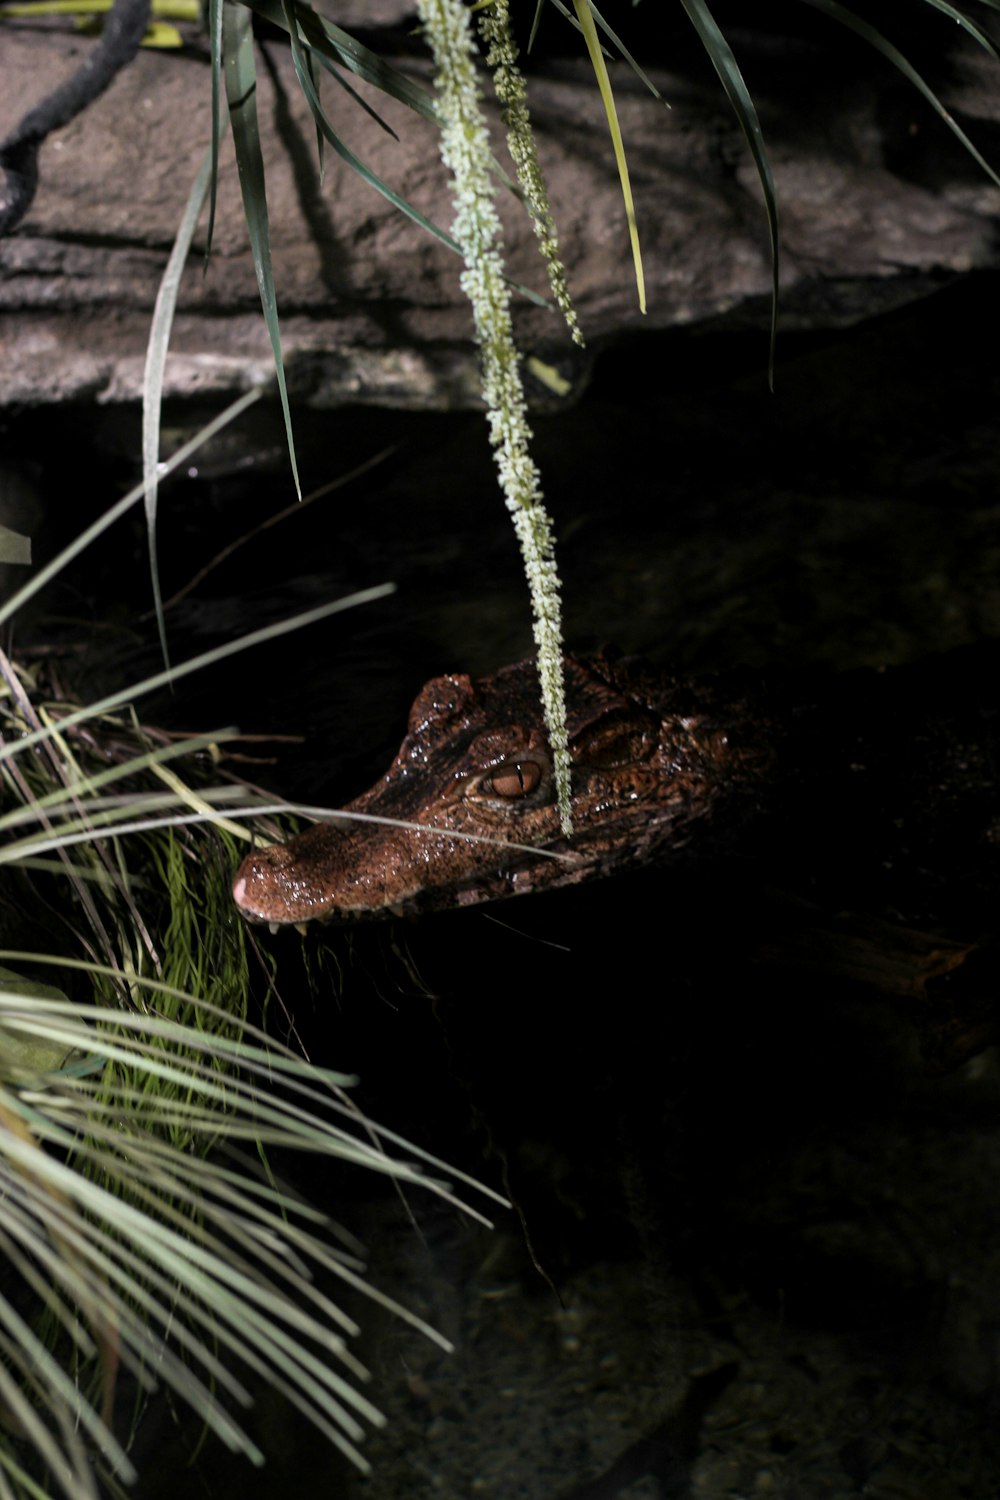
{"x": 465, "y": 149}
{"x": 509, "y": 87}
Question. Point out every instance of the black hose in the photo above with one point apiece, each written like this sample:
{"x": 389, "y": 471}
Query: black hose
{"x": 124, "y": 29}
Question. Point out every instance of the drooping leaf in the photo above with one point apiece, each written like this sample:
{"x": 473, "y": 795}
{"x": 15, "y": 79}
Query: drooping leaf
{"x": 723, "y": 61}
{"x": 626, "y": 55}
{"x": 312, "y": 34}
{"x": 863, "y": 28}
{"x": 152, "y": 384}
{"x": 961, "y": 19}
{"x": 9, "y": 607}
{"x": 318, "y": 59}
{"x": 206, "y": 658}
{"x": 240, "y": 71}
{"x": 14, "y": 548}
{"x": 337, "y": 45}
{"x": 599, "y": 66}
{"x": 616, "y": 42}
{"x": 215, "y": 47}
{"x": 299, "y": 57}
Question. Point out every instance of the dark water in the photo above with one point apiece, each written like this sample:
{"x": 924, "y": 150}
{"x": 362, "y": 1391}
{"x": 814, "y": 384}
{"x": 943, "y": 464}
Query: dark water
{"x": 716, "y": 1165}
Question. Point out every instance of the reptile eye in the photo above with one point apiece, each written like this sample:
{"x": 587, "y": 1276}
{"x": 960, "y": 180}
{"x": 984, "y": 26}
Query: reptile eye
{"x": 516, "y": 779}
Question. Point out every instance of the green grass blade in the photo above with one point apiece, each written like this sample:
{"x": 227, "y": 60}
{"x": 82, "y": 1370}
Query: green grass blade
{"x": 721, "y": 55}
{"x": 92, "y": 532}
{"x": 29, "y": 848}
{"x": 626, "y": 55}
{"x": 310, "y": 33}
{"x": 59, "y": 1383}
{"x": 241, "y": 92}
{"x": 615, "y": 41}
{"x": 536, "y": 21}
{"x": 600, "y": 68}
{"x": 332, "y": 42}
{"x": 215, "y": 45}
{"x": 858, "y": 24}
{"x": 14, "y": 548}
{"x": 569, "y": 16}
{"x": 962, "y": 20}
{"x": 276, "y": 1335}
{"x": 85, "y": 786}
{"x": 349, "y": 89}
{"x": 343, "y": 151}
{"x": 196, "y": 663}
{"x": 152, "y": 384}
{"x": 256, "y": 1053}
{"x": 312, "y": 63}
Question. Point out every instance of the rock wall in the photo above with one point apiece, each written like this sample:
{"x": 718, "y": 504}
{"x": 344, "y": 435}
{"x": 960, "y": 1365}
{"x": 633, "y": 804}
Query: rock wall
{"x": 876, "y": 207}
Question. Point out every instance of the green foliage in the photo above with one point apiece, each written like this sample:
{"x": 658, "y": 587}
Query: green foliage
{"x": 874, "y": 38}
{"x": 239, "y": 71}
{"x": 738, "y": 95}
{"x": 585, "y": 19}
{"x": 319, "y": 45}
{"x": 137, "y": 1104}
{"x": 126, "y": 1060}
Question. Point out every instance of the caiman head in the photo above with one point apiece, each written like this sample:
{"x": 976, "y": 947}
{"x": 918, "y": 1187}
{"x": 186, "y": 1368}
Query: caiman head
{"x": 467, "y": 811}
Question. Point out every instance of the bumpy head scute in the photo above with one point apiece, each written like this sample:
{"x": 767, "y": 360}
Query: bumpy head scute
{"x": 473, "y": 780}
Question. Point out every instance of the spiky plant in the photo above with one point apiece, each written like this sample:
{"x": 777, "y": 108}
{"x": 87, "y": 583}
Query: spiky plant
{"x": 135, "y": 1235}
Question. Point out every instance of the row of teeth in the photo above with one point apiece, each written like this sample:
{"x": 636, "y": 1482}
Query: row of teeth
{"x": 396, "y": 910}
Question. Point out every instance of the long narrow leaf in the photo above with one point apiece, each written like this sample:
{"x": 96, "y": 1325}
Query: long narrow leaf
{"x": 92, "y": 532}
{"x": 215, "y": 45}
{"x": 954, "y": 14}
{"x": 726, "y": 66}
{"x": 241, "y": 93}
{"x": 311, "y": 33}
{"x": 317, "y": 58}
{"x": 85, "y": 786}
{"x": 152, "y": 384}
{"x": 858, "y": 24}
{"x": 344, "y": 152}
{"x": 600, "y": 68}
{"x": 262, "y": 1056}
{"x": 616, "y": 41}
{"x": 332, "y": 42}
{"x": 196, "y": 663}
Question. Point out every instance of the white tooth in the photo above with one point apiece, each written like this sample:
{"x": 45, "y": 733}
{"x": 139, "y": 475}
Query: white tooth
{"x": 302, "y": 927}
{"x": 273, "y": 926}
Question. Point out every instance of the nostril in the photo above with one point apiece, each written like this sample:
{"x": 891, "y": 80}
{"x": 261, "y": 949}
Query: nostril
{"x": 259, "y": 869}
{"x": 263, "y": 862}
{"x": 274, "y": 857}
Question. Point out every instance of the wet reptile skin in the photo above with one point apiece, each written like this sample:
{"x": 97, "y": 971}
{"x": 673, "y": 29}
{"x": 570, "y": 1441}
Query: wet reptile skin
{"x": 890, "y": 776}
{"x": 655, "y": 760}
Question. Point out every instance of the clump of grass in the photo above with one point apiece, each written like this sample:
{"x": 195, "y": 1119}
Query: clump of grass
{"x": 137, "y": 1102}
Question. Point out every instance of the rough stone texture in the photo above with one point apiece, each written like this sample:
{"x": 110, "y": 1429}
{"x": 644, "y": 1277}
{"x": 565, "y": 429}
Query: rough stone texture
{"x": 370, "y": 304}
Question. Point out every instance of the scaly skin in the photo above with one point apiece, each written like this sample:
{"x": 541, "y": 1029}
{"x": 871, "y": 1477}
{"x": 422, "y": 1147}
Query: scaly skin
{"x": 656, "y": 761}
